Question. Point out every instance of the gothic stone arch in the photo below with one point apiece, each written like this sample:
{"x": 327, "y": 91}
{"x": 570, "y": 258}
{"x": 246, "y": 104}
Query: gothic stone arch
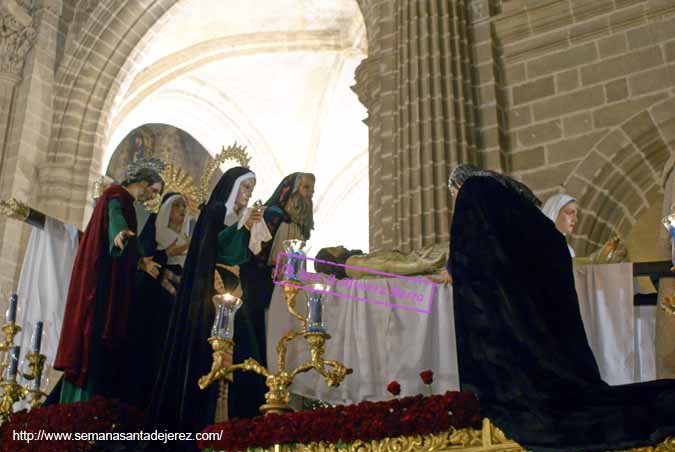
{"x": 622, "y": 175}
{"x": 108, "y": 48}
{"x": 105, "y": 51}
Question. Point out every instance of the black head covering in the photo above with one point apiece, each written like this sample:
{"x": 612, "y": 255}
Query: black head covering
{"x": 177, "y": 402}
{"x": 462, "y": 172}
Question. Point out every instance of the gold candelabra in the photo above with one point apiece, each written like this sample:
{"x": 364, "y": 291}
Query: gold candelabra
{"x": 12, "y": 391}
{"x": 10, "y": 329}
{"x": 278, "y": 395}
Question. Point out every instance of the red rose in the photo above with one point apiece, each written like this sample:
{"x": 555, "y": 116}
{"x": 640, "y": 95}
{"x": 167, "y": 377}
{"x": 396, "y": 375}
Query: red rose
{"x": 427, "y": 377}
{"x": 394, "y": 388}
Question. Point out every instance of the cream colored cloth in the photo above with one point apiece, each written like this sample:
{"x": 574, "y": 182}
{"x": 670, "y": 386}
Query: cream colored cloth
{"x": 43, "y": 286}
{"x": 605, "y": 295}
{"x": 259, "y": 232}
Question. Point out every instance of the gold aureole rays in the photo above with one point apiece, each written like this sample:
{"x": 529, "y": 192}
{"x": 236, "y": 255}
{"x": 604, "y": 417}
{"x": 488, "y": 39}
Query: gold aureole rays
{"x": 233, "y": 152}
{"x": 178, "y": 180}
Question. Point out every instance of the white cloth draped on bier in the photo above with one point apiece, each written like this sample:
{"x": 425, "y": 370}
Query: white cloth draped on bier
{"x": 645, "y": 330}
{"x": 44, "y": 282}
{"x": 606, "y": 303}
{"x": 380, "y": 343}
{"x": 383, "y": 343}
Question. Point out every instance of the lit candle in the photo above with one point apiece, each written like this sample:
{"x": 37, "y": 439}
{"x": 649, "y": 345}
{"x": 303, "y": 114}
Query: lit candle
{"x": 11, "y": 312}
{"x": 13, "y": 362}
{"x": 226, "y": 308}
{"x": 37, "y": 337}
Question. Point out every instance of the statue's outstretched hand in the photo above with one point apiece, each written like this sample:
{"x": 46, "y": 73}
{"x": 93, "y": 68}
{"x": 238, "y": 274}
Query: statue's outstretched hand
{"x": 122, "y": 236}
{"x": 149, "y": 266}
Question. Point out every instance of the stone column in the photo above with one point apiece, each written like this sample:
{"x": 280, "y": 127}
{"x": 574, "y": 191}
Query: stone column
{"x": 17, "y": 36}
{"x": 423, "y": 96}
{"x": 16, "y": 39}
{"x": 8, "y": 81}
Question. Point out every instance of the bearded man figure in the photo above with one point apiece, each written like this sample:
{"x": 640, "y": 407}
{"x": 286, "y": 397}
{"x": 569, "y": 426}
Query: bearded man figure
{"x": 288, "y": 215}
{"x": 95, "y": 337}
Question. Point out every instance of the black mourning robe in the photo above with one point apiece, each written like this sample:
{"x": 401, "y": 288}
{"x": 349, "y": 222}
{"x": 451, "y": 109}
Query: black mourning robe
{"x": 521, "y": 343}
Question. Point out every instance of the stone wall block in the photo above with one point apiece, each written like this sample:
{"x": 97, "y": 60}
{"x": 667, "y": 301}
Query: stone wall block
{"x": 550, "y": 177}
{"x": 572, "y": 149}
{"x": 654, "y": 80}
{"x": 578, "y": 124}
{"x": 540, "y": 133}
{"x": 616, "y": 90}
{"x": 530, "y": 91}
{"x": 560, "y": 61}
{"x": 617, "y": 113}
{"x": 569, "y": 103}
{"x": 527, "y": 159}
{"x": 612, "y": 45}
{"x": 621, "y": 65}
{"x": 567, "y": 81}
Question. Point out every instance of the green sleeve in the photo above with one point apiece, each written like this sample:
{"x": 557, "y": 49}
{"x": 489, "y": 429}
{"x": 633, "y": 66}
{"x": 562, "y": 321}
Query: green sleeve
{"x": 116, "y": 223}
{"x": 233, "y": 245}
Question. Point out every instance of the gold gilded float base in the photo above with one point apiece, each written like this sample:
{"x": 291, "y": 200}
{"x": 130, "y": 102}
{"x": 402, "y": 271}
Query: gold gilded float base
{"x": 487, "y": 439}
{"x": 275, "y": 408}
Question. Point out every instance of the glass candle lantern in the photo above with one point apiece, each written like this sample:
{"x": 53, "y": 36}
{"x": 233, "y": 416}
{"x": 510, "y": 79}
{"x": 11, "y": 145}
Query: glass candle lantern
{"x": 315, "y": 308}
{"x": 296, "y": 260}
{"x": 226, "y": 308}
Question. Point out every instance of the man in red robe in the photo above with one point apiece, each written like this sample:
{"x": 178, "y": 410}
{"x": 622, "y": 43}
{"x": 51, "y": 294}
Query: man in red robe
{"x": 93, "y": 348}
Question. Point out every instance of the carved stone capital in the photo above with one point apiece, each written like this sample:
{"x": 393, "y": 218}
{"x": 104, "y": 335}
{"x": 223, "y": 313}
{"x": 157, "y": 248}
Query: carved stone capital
{"x": 17, "y": 36}
{"x": 366, "y": 75}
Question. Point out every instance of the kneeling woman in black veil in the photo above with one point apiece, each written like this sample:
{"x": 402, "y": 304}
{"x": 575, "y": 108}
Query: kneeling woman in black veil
{"x": 521, "y": 343}
{"x": 177, "y": 404}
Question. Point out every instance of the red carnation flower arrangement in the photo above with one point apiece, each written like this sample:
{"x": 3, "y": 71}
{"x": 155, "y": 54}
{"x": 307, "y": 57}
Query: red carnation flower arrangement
{"x": 364, "y": 421}
{"x": 98, "y": 415}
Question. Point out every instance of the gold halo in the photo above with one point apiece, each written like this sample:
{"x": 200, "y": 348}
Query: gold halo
{"x": 233, "y": 152}
{"x": 179, "y": 181}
